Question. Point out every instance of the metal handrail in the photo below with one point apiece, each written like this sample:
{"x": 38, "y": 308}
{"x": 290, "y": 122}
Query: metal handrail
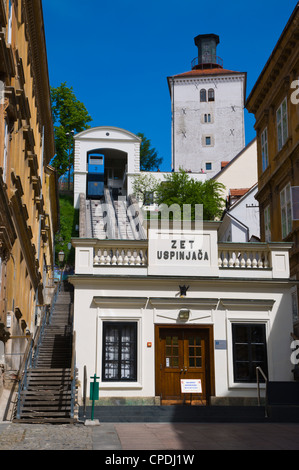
{"x": 22, "y": 374}
{"x": 209, "y": 61}
{"x": 73, "y": 375}
{"x": 45, "y": 321}
{"x": 260, "y": 371}
{"x": 30, "y": 354}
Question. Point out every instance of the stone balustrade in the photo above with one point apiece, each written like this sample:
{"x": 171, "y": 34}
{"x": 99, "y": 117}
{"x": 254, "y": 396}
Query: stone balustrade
{"x": 251, "y": 256}
{"x": 120, "y": 256}
{"x": 225, "y": 260}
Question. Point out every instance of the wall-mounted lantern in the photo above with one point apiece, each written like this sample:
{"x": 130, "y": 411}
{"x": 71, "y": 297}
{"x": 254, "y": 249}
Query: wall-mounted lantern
{"x": 184, "y": 314}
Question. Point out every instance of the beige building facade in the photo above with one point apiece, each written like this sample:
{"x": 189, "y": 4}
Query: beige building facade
{"x": 28, "y": 190}
{"x": 275, "y": 105}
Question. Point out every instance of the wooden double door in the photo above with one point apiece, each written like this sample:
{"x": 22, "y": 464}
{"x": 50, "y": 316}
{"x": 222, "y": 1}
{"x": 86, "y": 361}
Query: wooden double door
{"x": 183, "y": 354}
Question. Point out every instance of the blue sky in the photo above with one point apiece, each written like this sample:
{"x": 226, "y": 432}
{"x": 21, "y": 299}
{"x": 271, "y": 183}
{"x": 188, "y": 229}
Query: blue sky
{"x": 117, "y": 55}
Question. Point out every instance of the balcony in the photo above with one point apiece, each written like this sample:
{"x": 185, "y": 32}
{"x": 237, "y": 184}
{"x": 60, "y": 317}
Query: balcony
{"x": 254, "y": 260}
{"x": 226, "y": 260}
{"x": 208, "y": 62}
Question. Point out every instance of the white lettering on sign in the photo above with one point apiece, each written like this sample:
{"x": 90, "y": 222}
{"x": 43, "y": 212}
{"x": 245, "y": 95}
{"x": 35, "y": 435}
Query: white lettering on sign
{"x": 191, "y": 386}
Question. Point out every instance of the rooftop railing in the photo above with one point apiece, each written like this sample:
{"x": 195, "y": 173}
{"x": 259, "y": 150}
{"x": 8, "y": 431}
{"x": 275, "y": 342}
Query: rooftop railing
{"x": 211, "y": 61}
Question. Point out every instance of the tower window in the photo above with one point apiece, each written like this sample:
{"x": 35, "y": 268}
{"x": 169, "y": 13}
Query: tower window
{"x": 211, "y": 95}
{"x": 203, "y": 95}
{"x": 208, "y": 166}
{"x": 207, "y": 118}
{"x": 208, "y": 140}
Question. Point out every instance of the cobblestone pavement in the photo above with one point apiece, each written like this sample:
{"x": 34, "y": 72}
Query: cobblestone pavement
{"x": 45, "y": 437}
{"x": 149, "y": 436}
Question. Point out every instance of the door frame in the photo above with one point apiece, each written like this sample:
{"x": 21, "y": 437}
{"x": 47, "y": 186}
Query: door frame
{"x": 210, "y": 373}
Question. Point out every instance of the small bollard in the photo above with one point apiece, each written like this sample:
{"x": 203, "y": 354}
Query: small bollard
{"x": 94, "y": 395}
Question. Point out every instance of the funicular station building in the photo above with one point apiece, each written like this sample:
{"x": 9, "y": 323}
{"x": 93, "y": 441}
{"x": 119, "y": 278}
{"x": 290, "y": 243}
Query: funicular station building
{"x": 169, "y": 313}
{"x": 158, "y": 308}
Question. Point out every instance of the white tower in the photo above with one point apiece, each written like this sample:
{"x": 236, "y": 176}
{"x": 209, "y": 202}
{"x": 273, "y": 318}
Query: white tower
{"x": 207, "y": 112}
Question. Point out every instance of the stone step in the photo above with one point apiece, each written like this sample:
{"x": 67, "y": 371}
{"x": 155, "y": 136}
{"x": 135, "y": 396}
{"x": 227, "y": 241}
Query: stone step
{"x": 174, "y": 413}
{"x": 45, "y": 420}
{"x": 47, "y": 398}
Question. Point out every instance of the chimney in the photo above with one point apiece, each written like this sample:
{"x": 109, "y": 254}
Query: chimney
{"x": 207, "y": 52}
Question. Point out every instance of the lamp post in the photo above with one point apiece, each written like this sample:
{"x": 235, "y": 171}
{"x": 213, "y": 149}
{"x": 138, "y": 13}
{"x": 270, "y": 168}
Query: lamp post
{"x": 69, "y": 134}
{"x": 61, "y": 259}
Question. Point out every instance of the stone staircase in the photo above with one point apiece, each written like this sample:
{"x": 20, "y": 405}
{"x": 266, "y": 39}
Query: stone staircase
{"x": 47, "y": 398}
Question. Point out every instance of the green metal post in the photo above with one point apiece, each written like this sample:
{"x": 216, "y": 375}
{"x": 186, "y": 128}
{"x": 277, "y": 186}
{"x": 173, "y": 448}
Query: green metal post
{"x": 93, "y": 394}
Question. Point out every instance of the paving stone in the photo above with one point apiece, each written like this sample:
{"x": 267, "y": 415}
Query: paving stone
{"x": 110, "y": 437}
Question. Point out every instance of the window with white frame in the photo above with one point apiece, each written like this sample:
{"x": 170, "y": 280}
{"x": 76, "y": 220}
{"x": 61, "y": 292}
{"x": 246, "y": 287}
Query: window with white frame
{"x": 282, "y": 124}
{"x": 264, "y": 145}
{"x": 119, "y": 351}
{"x": 267, "y": 224}
{"x": 249, "y": 351}
{"x": 286, "y": 210}
{"x": 207, "y": 118}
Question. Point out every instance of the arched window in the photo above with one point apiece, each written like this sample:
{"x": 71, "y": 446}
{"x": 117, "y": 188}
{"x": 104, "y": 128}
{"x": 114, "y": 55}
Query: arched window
{"x": 203, "y": 95}
{"x": 211, "y": 94}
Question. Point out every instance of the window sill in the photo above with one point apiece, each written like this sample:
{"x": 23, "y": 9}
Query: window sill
{"x": 243, "y": 385}
{"x": 120, "y": 385}
{"x": 285, "y": 146}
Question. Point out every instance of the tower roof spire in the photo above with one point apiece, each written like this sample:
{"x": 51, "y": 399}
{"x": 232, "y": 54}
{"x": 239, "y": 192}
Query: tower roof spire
{"x": 207, "y": 52}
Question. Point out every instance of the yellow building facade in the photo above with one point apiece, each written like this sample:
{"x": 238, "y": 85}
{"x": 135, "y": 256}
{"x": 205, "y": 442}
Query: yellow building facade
{"x": 29, "y": 213}
{"x": 275, "y": 104}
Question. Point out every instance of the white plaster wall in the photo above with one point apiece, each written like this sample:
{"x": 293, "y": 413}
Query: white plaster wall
{"x": 88, "y": 324}
{"x": 247, "y": 211}
{"x": 242, "y": 172}
{"x": 89, "y": 318}
{"x": 227, "y": 113}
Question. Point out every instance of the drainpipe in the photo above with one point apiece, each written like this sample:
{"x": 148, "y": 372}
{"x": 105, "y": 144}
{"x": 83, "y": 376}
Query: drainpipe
{"x": 173, "y": 133}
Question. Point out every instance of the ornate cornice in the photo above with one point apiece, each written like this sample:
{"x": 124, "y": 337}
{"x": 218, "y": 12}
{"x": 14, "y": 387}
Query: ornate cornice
{"x": 34, "y": 28}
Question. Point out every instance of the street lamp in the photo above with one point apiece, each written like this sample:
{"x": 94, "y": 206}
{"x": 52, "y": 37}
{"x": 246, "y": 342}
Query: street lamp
{"x": 61, "y": 256}
{"x": 61, "y": 260}
{"x": 69, "y": 134}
